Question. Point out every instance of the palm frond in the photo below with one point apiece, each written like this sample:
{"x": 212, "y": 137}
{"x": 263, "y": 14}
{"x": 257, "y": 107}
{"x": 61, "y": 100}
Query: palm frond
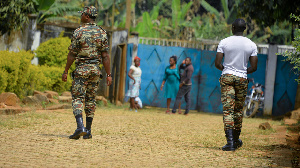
{"x": 210, "y": 8}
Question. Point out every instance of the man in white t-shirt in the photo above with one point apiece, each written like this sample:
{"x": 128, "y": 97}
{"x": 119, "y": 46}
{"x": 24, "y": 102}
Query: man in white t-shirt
{"x": 236, "y": 51}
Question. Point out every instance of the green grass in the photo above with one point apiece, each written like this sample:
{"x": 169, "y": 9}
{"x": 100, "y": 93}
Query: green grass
{"x": 24, "y": 120}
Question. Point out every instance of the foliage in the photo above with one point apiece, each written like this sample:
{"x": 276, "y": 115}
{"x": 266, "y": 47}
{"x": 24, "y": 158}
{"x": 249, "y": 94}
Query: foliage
{"x": 3, "y": 78}
{"x": 14, "y": 14}
{"x": 152, "y": 26}
{"x": 52, "y": 56}
{"x": 229, "y": 14}
{"x": 54, "y": 82}
{"x": 266, "y": 13}
{"x": 294, "y": 57}
{"x": 19, "y": 76}
{"x": 44, "y": 4}
{"x": 178, "y": 16}
{"x": 214, "y": 24}
{"x": 209, "y": 28}
{"x": 148, "y": 27}
{"x": 46, "y": 78}
{"x": 14, "y": 71}
{"x": 54, "y": 52}
{"x": 61, "y": 10}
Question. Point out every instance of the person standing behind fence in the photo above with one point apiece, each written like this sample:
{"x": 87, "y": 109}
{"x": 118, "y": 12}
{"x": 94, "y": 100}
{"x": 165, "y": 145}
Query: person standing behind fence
{"x": 237, "y": 51}
{"x": 134, "y": 74}
{"x": 172, "y": 80}
{"x": 89, "y": 46}
{"x": 185, "y": 86}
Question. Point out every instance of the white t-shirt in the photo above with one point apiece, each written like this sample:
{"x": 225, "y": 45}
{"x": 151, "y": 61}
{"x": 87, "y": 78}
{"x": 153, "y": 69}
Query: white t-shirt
{"x": 137, "y": 72}
{"x": 237, "y": 51}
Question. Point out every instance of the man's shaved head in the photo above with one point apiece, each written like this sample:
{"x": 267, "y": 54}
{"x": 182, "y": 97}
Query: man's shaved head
{"x": 239, "y": 25}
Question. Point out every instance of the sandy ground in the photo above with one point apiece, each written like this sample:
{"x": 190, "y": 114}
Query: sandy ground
{"x": 148, "y": 138}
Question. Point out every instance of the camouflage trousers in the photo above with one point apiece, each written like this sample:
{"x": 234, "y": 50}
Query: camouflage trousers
{"x": 233, "y": 94}
{"x": 84, "y": 89}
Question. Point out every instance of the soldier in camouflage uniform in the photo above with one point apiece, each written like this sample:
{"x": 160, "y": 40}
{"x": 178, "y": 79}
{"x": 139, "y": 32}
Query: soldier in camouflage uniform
{"x": 89, "y": 48}
{"x": 237, "y": 51}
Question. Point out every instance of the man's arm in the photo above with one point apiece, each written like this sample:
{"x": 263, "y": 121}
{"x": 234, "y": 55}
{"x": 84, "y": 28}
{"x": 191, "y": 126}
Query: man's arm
{"x": 253, "y": 62}
{"x": 106, "y": 64}
{"x": 218, "y": 61}
{"x": 70, "y": 60}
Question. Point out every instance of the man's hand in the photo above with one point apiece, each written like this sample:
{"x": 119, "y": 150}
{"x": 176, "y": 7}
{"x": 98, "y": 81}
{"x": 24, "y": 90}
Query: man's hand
{"x": 183, "y": 62}
{"x": 64, "y": 77}
{"x": 253, "y": 62}
{"x": 181, "y": 84}
{"x": 218, "y": 61}
{"x": 109, "y": 80}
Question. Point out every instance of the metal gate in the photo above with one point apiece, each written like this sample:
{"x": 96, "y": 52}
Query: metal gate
{"x": 285, "y": 88}
{"x": 206, "y": 93}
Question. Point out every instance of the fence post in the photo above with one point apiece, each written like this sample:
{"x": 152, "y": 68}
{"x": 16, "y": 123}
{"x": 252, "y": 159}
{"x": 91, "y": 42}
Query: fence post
{"x": 270, "y": 79}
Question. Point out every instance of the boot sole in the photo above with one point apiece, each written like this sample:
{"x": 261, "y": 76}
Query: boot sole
{"x": 90, "y": 137}
{"x": 78, "y": 136}
{"x": 229, "y": 149}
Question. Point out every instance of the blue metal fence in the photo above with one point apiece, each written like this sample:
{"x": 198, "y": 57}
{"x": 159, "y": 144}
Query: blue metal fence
{"x": 205, "y": 94}
{"x": 285, "y": 88}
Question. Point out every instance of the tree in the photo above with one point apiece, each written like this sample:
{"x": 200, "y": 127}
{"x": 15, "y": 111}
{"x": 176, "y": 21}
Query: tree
{"x": 60, "y": 10}
{"x": 156, "y": 26}
{"x": 294, "y": 57}
{"x": 14, "y": 14}
{"x": 266, "y": 13}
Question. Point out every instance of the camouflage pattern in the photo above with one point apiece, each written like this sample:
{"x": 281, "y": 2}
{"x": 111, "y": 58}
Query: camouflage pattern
{"x": 233, "y": 94}
{"x": 87, "y": 43}
{"x": 90, "y": 10}
{"x": 84, "y": 89}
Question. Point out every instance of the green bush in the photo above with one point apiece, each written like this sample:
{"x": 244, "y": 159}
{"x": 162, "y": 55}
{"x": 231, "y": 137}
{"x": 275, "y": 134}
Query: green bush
{"x": 54, "y": 52}
{"x": 3, "y": 79}
{"x": 53, "y": 79}
{"x": 294, "y": 57}
{"x": 46, "y": 78}
{"x": 19, "y": 76}
{"x": 14, "y": 70}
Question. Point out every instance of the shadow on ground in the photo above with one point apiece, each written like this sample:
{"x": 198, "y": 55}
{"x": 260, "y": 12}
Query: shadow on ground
{"x": 53, "y": 135}
{"x": 281, "y": 155}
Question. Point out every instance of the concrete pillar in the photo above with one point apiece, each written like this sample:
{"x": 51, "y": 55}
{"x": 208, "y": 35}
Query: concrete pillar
{"x": 270, "y": 79}
{"x": 134, "y": 38}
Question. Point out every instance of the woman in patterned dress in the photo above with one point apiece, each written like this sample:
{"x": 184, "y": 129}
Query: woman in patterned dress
{"x": 134, "y": 74}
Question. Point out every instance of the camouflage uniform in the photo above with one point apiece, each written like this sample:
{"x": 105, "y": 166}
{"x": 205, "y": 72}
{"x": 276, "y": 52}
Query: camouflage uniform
{"x": 233, "y": 94}
{"x": 87, "y": 43}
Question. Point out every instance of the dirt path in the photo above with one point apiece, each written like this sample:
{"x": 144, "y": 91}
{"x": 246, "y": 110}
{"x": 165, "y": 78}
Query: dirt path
{"x": 123, "y": 138}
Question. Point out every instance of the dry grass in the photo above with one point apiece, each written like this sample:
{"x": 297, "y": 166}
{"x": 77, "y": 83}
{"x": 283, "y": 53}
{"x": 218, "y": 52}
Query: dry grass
{"x": 122, "y": 138}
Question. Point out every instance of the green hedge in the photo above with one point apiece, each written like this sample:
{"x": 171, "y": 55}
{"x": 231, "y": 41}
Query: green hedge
{"x": 14, "y": 69}
{"x": 18, "y": 75}
{"x": 54, "y": 52}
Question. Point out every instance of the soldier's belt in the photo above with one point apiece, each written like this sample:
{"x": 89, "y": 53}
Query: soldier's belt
{"x": 88, "y": 62}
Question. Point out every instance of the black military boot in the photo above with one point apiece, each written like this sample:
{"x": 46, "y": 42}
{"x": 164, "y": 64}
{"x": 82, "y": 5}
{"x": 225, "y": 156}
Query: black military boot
{"x": 89, "y": 121}
{"x": 80, "y": 131}
{"x": 237, "y": 142}
{"x": 230, "y": 143}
